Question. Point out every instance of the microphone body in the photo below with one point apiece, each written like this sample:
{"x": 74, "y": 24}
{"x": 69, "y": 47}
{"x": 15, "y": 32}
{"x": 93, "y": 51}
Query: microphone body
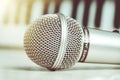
{"x": 55, "y": 42}
{"x": 104, "y": 47}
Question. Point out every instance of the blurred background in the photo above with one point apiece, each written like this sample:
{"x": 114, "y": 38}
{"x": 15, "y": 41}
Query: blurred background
{"x": 16, "y": 15}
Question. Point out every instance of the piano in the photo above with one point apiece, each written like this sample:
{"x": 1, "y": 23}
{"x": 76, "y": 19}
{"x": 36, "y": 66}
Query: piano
{"x": 87, "y": 12}
{"x": 15, "y": 16}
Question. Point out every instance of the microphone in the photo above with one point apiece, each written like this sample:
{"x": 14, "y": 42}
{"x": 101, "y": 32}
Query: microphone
{"x": 55, "y": 41}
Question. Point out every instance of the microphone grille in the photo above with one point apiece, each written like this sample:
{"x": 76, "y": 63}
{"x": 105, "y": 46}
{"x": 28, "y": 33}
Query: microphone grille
{"x": 74, "y": 43}
{"x": 42, "y": 41}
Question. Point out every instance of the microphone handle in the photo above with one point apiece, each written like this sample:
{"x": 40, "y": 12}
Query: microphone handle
{"x": 104, "y": 47}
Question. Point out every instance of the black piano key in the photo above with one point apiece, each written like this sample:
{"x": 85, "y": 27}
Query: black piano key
{"x": 46, "y": 6}
{"x": 116, "y": 31}
{"x": 99, "y": 12}
{"x": 57, "y": 5}
{"x": 75, "y": 8}
{"x": 117, "y": 14}
{"x": 86, "y": 12}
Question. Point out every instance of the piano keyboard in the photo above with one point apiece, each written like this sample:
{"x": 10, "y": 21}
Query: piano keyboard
{"x": 17, "y": 14}
{"x": 98, "y": 13}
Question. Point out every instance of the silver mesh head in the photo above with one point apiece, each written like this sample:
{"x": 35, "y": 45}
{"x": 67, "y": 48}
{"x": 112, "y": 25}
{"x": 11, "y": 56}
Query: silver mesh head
{"x": 42, "y": 41}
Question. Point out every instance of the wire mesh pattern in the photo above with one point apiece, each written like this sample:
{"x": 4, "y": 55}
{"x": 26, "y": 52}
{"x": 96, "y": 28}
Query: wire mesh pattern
{"x": 42, "y": 41}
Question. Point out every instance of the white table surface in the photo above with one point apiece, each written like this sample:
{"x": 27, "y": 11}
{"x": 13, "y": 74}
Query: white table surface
{"x": 15, "y": 65}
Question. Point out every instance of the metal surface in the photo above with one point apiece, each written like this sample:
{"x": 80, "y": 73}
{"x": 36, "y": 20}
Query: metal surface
{"x": 104, "y": 47}
{"x": 63, "y": 43}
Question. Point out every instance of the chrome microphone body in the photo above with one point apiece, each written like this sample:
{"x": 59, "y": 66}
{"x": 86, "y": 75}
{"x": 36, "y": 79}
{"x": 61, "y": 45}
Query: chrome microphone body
{"x": 104, "y": 47}
{"x": 55, "y": 42}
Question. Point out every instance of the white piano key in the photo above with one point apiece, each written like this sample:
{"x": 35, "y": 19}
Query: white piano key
{"x": 92, "y": 13}
{"x": 108, "y": 16}
{"x": 80, "y": 12}
{"x": 51, "y": 7}
{"x": 66, "y": 7}
{"x": 4, "y": 4}
{"x": 22, "y": 13}
{"x": 12, "y": 11}
{"x": 37, "y": 10}
{"x": 12, "y": 35}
